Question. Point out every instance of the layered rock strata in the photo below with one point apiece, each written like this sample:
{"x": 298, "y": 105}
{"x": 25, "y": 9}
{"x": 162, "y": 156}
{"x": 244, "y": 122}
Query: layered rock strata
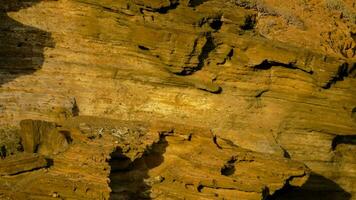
{"x": 134, "y": 160}
{"x": 214, "y": 91}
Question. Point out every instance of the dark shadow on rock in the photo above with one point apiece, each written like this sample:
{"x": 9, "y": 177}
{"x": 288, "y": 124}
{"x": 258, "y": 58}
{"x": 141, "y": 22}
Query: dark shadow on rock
{"x": 21, "y": 46}
{"x": 130, "y": 179}
{"x": 317, "y": 187}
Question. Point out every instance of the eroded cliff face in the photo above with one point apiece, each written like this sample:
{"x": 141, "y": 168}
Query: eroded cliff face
{"x": 177, "y": 99}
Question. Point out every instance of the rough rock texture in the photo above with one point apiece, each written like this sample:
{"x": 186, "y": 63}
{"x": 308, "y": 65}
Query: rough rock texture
{"x": 178, "y": 99}
{"x": 134, "y": 160}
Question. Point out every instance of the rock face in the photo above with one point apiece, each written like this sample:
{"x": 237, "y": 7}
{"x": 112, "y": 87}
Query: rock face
{"x": 177, "y": 99}
{"x": 134, "y": 160}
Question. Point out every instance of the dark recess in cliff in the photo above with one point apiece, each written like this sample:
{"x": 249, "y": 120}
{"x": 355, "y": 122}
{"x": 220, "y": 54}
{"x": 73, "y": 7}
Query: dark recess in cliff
{"x": 353, "y": 113}
{"x": 343, "y": 139}
{"x": 229, "y": 168}
{"x": 164, "y": 10}
{"x": 21, "y": 46}
{"x": 268, "y": 64}
{"x": 250, "y": 22}
{"x": 341, "y": 74}
{"x": 194, "y": 3}
{"x": 208, "y": 47}
{"x": 129, "y": 179}
{"x": 316, "y": 188}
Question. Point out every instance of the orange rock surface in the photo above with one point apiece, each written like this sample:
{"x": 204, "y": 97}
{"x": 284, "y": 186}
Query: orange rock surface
{"x": 177, "y": 99}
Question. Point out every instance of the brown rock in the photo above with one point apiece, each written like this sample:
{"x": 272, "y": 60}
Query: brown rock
{"x": 188, "y": 99}
{"x": 42, "y": 137}
{"x": 22, "y": 163}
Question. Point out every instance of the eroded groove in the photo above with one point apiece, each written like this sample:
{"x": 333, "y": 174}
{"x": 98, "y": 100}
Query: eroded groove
{"x": 215, "y": 90}
{"x": 216, "y": 142}
{"x": 207, "y": 48}
{"x": 23, "y": 163}
{"x": 32, "y": 170}
{"x": 201, "y": 188}
{"x": 259, "y": 94}
{"x": 267, "y": 64}
{"x": 341, "y": 74}
{"x": 143, "y": 48}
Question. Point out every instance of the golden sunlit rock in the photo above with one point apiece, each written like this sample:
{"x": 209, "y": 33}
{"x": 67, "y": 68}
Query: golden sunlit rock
{"x": 178, "y": 99}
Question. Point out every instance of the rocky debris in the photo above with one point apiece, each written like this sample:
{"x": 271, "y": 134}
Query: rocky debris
{"x": 89, "y": 132}
{"x": 131, "y": 138}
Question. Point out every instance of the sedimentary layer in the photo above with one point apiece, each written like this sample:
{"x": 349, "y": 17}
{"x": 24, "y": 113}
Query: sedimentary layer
{"x": 218, "y": 99}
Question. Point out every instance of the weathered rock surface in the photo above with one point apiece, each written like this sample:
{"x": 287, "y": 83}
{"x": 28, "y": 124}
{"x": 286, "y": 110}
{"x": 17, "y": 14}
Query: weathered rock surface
{"x": 22, "y": 163}
{"x": 144, "y": 160}
{"x": 215, "y": 99}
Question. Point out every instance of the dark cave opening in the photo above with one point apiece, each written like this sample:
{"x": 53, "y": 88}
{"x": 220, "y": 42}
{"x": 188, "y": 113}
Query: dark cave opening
{"x": 129, "y": 179}
{"x": 216, "y": 24}
{"x": 194, "y": 3}
{"x": 250, "y": 23}
{"x": 229, "y": 168}
{"x": 343, "y": 139}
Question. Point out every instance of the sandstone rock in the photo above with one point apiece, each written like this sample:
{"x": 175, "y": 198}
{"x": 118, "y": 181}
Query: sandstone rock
{"x": 140, "y": 166}
{"x": 22, "y": 163}
{"x": 43, "y": 137}
{"x": 171, "y": 99}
